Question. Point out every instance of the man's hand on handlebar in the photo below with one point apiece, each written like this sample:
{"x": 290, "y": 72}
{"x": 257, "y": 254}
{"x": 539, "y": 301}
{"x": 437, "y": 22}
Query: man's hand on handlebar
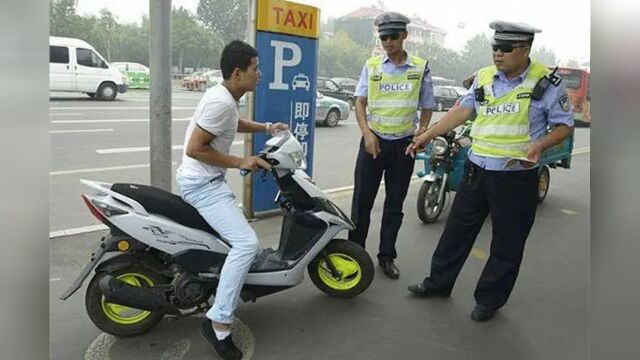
{"x": 274, "y": 128}
{"x": 252, "y": 163}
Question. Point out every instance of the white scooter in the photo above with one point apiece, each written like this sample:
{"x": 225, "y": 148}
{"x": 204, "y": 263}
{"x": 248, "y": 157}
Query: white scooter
{"x": 167, "y": 260}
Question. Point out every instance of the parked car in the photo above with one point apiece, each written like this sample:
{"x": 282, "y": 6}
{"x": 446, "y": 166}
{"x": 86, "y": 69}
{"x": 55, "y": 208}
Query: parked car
{"x": 329, "y": 110}
{"x": 346, "y": 83}
{"x": 75, "y": 66}
{"x": 328, "y": 87}
{"x": 445, "y": 97}
{"x": 137, "y": 74}
{"x": 201, "y": 81}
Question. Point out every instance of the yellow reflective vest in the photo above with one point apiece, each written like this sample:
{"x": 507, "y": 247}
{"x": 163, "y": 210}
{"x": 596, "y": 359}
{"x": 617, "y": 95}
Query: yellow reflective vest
{"x": 501, "y": 127}
{"x": 393, "y": 99}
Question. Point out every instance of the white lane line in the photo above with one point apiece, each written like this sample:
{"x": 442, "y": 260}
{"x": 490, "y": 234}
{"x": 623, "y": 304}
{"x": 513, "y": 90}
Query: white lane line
{"x": 569, "y": 212}
{"x": 146, "y": 148}
{"x": 66, "y": 114}
{"x": 54, "y": 280}
{"x": 82, "y": 171}
{"x": 109, "y": 121}
{"x": 581, "y": 151}
{"x": 79, "y": 131}
{"x": 116, "y": 108}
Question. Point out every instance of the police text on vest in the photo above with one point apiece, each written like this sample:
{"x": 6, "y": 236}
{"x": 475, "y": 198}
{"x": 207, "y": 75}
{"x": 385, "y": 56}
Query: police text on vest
{"x": 395, "y": 87}
{"x": 501, "y": 109}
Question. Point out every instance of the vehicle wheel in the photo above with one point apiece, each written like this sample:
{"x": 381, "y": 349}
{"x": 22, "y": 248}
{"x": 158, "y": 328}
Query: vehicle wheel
{"x": 107, "y": 91}
{"x": 440, "y": 106}
{"x": 428, "y": 208}
{"x": 544, "y": 179}
{"x": 351, "y": 260}
{"x": 92, "y": 95}
{"x": 333, "y": 117}
{"x": 117, "y": 319}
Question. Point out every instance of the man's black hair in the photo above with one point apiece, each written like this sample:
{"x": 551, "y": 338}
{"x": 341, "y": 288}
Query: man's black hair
{"x": 236, "y": 54}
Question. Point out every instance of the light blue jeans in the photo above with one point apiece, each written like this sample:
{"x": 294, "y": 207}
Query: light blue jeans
{"x": 218, "y": 206}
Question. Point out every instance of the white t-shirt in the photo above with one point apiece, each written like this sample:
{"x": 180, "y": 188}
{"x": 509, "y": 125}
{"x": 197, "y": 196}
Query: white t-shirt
{"x": 217, "y": 114}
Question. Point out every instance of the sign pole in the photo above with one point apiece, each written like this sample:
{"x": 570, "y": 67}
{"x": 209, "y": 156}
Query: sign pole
{"x": 247, "y": 194}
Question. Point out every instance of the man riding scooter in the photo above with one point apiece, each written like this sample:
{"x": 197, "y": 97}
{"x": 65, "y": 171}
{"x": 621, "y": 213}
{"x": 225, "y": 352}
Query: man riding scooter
{"x": 201, "y": 181}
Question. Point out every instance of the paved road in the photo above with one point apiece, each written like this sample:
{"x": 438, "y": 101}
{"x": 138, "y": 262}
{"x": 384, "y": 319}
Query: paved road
{"x": 106, "y": 141}
{"x": 546, "y": 317}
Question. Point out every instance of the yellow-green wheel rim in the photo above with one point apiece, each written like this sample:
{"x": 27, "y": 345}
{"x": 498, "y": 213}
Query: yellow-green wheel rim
{"x": 350, "y": 271}
{"x": 125, "y": 315}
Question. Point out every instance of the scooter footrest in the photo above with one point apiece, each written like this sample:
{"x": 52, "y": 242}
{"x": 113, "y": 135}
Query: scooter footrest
{"x": 268, "y": 260}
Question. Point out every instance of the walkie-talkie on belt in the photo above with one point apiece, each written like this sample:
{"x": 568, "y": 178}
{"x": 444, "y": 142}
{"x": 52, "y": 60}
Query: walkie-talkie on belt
{"x": 544, "y": 83}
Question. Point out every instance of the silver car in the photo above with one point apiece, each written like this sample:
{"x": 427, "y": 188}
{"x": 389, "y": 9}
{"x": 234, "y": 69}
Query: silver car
{"x": 329, "y": 110}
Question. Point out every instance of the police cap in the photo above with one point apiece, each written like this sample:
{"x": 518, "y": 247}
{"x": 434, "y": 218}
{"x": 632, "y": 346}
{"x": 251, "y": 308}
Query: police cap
{"x": 512, "y": 32}
{"x": 391, "y": 22}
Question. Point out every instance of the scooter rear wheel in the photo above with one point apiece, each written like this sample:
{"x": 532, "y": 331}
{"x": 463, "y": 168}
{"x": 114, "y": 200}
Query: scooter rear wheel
{"x": 117, "y": 319}
{"x": 352, "y": 262}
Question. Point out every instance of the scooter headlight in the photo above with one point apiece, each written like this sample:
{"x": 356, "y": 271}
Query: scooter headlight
{"x": 439, "y": 146}
{"x": 299, "y": 159}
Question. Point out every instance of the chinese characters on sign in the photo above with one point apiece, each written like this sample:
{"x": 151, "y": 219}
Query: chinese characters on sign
{"x": 300, "y": 118}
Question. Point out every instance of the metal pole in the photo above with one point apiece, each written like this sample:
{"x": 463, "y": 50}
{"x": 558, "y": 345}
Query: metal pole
{"x": 160, "y": 93}
{"x": 247, "y": 194}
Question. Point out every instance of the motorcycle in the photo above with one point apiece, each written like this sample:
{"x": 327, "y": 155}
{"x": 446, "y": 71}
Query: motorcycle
{"x": 166, "y": 259}
{"x": 444, "y": 160}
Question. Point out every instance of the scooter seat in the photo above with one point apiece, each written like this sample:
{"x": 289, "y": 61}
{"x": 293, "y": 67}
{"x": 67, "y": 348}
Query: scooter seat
{"x": 157, "y": 201}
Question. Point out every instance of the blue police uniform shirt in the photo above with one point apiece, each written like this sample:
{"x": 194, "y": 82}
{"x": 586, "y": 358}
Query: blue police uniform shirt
{"x": 426, "y": 100}
{"x": 547, "y": 111}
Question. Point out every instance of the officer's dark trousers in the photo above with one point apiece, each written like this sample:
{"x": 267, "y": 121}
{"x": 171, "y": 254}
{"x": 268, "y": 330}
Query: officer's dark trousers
{"x": 511, "y": 199}
{"x": 397, "y": 169}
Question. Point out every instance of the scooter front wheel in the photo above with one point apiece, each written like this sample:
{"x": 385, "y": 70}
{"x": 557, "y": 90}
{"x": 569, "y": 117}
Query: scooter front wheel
{"x": 354, "y": 268}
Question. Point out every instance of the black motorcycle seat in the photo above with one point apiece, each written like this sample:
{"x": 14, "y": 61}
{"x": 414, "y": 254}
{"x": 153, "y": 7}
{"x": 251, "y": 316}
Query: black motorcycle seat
{"x": 157, "y": 201}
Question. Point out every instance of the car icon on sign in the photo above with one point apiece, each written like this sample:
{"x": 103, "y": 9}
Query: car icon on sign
{"x": 301, "y": 81}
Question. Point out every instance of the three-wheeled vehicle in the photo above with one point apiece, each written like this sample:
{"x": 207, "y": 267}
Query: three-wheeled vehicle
{"x": 444, "y": 160}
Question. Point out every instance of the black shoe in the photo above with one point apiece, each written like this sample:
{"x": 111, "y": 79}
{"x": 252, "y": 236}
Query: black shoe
{"x": 225, "y": 349}
{"x": 390, "y": 269}
{"x": 483, "y": 312}
{"x": 420, "y": 290}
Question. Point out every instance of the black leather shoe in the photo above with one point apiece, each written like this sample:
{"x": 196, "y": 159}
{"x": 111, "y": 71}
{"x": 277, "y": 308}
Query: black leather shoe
{"x": 225, "y": 349}
{"x": 483, "y": 312}
{"x": 390, "y": 269}
{"x": 420, "y": 290}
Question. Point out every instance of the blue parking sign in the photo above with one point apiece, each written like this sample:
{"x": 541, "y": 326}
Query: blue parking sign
{"x": 286, "y": 93}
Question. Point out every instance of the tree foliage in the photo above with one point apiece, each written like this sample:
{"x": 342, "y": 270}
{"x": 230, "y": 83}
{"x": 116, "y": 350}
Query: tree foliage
{"x": 341, "y": 56}
{"x": 545, "y": 56}
{"x": 193, "y": 44}
{"x": 228, "y": 18}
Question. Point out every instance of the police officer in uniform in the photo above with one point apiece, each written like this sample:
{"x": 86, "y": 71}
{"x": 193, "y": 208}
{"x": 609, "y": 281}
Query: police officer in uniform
{"x": 515, "y": 101}
{"x": 392, "y": 86}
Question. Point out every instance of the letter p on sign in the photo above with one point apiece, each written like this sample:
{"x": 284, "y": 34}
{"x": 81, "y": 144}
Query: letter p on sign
{"x": 281, "y": 62}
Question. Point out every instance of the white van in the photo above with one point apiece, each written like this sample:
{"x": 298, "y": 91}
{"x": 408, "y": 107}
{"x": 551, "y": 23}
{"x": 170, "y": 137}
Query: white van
{"x": 76, "y": 66}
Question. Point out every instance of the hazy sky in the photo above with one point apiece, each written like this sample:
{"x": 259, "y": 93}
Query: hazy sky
{"x": 565, "y": 24}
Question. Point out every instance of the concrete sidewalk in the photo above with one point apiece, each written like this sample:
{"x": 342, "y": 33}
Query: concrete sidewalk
{"x": 545, "y": 318}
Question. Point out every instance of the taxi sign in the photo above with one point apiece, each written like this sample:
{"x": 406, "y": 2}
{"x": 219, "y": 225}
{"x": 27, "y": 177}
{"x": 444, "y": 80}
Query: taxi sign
{"x": 286, "y": 17}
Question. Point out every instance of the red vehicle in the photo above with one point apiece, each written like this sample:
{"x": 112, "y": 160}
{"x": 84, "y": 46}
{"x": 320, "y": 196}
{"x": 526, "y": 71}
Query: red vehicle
{"x": 578, "y": 83}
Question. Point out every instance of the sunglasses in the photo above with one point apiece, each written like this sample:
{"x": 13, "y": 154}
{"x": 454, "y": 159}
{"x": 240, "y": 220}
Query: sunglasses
{"x": 505, "y": 48}
{"x": 395, "y": 36}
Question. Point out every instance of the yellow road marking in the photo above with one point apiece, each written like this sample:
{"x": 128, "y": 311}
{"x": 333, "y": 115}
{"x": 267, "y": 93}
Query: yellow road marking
{"x": 478, "y": 254}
